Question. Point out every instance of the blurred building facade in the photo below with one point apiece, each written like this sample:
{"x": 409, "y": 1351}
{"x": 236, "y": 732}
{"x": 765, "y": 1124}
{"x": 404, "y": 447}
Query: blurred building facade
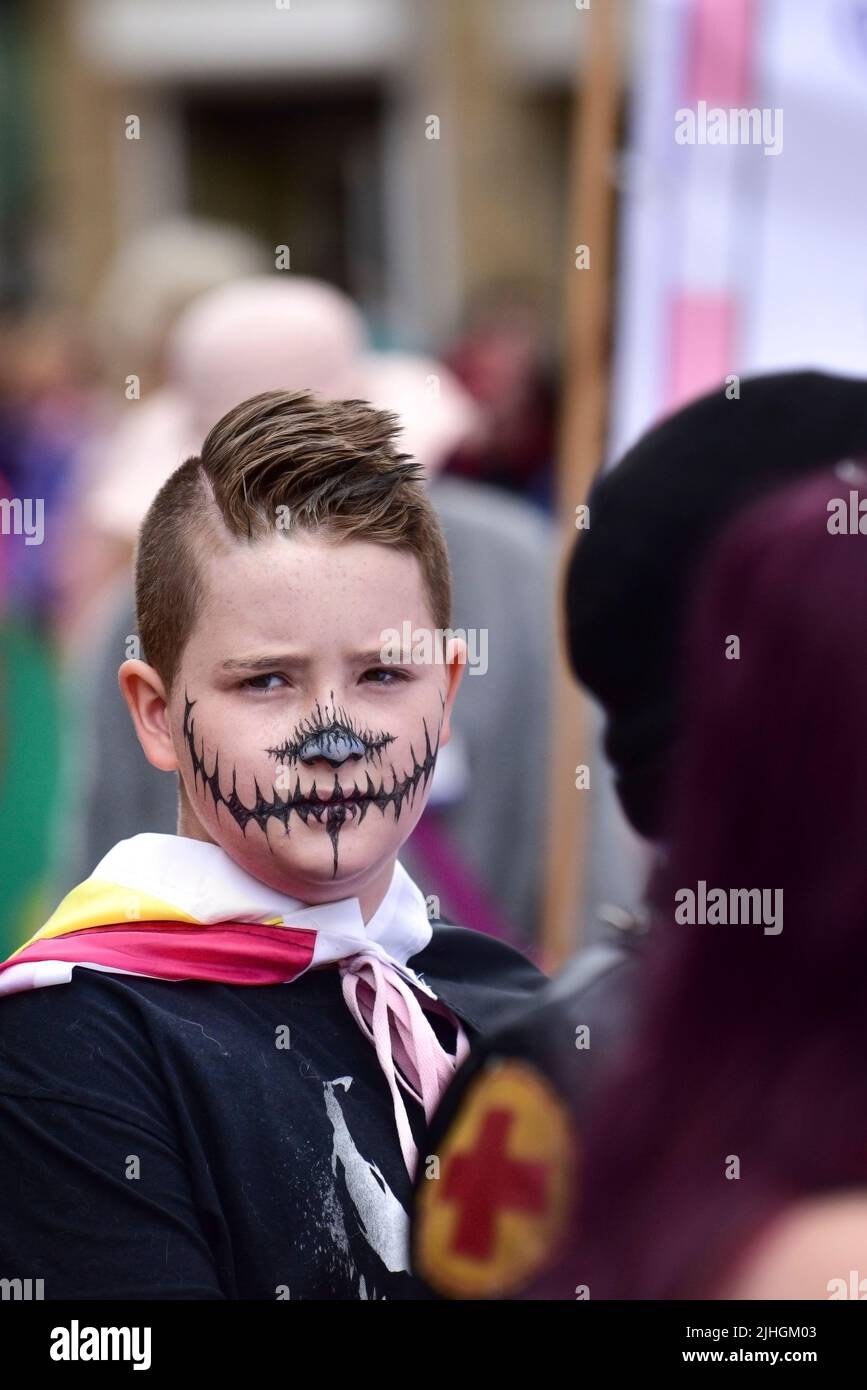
{"x": 410, "y": 152}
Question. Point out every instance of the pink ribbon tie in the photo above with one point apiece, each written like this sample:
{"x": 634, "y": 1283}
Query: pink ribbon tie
{"x": 388, "y": 1012}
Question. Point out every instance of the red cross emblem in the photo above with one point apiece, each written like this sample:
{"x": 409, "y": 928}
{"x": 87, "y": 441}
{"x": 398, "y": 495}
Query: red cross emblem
{"x": 490, "y": 1214}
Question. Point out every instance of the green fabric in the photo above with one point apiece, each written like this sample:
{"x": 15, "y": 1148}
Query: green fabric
{"x": 29, "y": 780}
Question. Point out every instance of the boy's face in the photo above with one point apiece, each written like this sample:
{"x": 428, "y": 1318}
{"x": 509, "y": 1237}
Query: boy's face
{"x": 302, "y": 755}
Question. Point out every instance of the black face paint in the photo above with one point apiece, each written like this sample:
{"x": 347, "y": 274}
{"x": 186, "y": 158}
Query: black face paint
{"x": 340, "y": 805}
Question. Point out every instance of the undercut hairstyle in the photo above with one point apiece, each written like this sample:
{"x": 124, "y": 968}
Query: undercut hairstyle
{"x": 282, "y": 462}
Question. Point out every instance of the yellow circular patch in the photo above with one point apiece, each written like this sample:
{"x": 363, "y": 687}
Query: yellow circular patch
{"x": 491, "y": 1211}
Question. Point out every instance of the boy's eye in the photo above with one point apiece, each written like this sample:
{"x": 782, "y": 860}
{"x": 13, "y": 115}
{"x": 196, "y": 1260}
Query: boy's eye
{"x": 263, "y": 682}
{"x": 384, "y": 675}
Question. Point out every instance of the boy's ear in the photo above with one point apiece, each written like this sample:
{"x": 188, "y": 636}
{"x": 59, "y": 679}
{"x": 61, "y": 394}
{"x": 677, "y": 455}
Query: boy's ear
{"x": 146, "y": 700}
{"x": 456, "y": 664}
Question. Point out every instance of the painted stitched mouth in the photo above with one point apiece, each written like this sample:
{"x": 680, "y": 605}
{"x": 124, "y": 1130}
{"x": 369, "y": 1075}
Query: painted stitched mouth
{"x": 336, "y": 808}
{"x": 355, "y": 802}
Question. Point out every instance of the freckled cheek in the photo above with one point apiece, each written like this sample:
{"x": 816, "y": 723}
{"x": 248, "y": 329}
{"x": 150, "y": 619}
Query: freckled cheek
{"x": 240, "y": 740}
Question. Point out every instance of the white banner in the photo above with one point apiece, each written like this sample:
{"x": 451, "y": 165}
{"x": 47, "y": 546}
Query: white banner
{"x": 745, "y": 200}
{"x": 743, "y": 233}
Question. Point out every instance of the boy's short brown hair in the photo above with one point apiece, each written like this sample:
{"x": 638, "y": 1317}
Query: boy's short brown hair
{"x": 281, "y": 461}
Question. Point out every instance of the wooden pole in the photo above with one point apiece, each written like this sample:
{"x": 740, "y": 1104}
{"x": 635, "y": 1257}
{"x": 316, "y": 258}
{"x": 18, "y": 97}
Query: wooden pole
{"x": 580, "y": 452}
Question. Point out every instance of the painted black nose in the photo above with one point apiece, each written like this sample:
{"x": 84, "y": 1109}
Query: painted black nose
{"x": 333, "y": 746}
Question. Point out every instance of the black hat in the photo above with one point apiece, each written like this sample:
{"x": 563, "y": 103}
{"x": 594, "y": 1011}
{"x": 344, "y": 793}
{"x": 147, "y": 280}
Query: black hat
{"x": 653, "y": 519}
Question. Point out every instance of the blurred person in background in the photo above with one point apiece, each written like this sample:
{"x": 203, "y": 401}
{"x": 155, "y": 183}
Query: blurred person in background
{"x": 47, "y": 385}
{"x": 46, "y": 390}
{"x": 502, "y": 359}
{"x": 480, "y": 850}
{"x": 152, "y": 279}
{"x": 509, "y": 1131}
{"x": 728, "y": 1158}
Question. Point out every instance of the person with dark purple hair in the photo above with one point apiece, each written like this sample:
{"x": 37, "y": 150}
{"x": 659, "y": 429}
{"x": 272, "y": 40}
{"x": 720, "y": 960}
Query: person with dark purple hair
{"x": 506, "y": 1146}
{"x": 728, "y": 1156}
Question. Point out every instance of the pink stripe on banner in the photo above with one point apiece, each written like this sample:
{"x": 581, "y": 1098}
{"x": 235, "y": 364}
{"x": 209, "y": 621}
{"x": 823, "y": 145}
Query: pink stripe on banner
{"x": 720, "y": 52}
{"x": 231, "y": 954}
{"x": 702, "y": 339}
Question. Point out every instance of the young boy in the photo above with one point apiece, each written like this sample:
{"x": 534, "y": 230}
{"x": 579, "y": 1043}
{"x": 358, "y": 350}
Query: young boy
{"x": 223, "y": 1093}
